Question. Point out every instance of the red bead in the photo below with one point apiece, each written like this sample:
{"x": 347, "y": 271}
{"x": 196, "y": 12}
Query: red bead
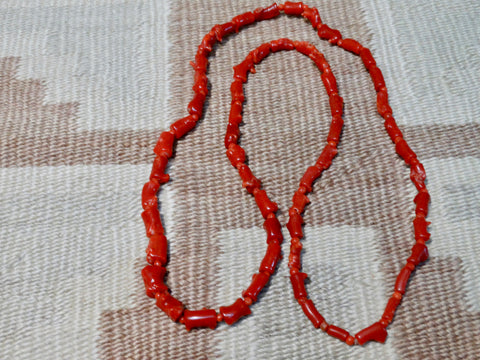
{"x": 267, "y": 13}
{"x": 404, "y": 151}
{"x": 184, "y": 125}
{"x": 422, "y": 199}
{"x": 312, "y": 313}
{"x": 419, "y": 254}
{"x": 273, "y": 229}
{"x": 158, "y": 169}
{"x": 332, "y": 35}
{"x": 236, "y": 90}
{"x": 337, "y": 332}
{"x": 377, "y": 77}
{"x": 242, "y": 20}
{"x": 294, "y": 225}
{"x": 157, "y": 250}
{"x": 293, "y": 8}
{"x": 336, "y": 104}
{"x": 367, "y": 58}
{"x": 383, "y": 107}
{"x": 250, "y": 182}
{"x": 200, "y": 319}
{"x": 271, "y": 258}
{"x": 171, "y": 306}
{"x": 391, "y": 307}
{"x": 298, "y": 285}
{"x": 312, "y": 15}
{"x": 234, "y": 312}
{"x": 295, "y": 251}
{"x": 149, "y": 192}
{"x": 282, "y": 44}
{"x": 350, "y": 45}
{"x": 263, "y": 202}
{"x": 335, "y": 129}
{"x": 417, "y": 172}
{"x": 402, "y": 280}
{"x": 260, "y": 53}
{"x": 241, "y": 70}
{"x": 195, "y": 107}
{"x": 235, "y": 154}
{"x": 201, "y": 63}
{"x": 420, "y": 225}
{"x": 232, "y": 135}
{"x": 304, "y": 47}
{"x": 319, "y": 60}
{"x": 309, "y": 177}
{"x": 375, "y": 332}
{"x": 153, "y": 225}
{"x": 235, "y": 116}
{"x": 392, "y": 128}
{"x": 208, "y": 41}
{"x": 325, "y": 159}
{"x": 299, "y": 201}
{"x": 165, "y": 144}
{"x": 223, "y": 30}
{"x": 153, "y": 280}
{"x": 258, "y": 283}
{"x": 329, "y": 82}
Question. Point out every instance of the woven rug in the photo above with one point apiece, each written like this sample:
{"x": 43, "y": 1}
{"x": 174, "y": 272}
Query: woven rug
{"x": 86, "y": 87}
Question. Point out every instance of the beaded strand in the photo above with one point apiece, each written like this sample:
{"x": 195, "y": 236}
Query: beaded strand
{"x": 157, "y": 249}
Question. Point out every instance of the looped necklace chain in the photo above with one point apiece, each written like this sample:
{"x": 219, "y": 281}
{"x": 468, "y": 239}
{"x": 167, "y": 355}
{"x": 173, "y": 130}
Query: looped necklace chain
{"x": 157, "y": 250}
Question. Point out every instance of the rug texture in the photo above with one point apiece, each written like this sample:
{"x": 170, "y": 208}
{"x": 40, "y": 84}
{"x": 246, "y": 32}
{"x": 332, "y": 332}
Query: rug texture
{"x": 86, "y": 88}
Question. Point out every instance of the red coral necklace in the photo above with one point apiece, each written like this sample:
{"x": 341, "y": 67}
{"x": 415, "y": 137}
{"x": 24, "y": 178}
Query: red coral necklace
{"x": 157, "y": 250}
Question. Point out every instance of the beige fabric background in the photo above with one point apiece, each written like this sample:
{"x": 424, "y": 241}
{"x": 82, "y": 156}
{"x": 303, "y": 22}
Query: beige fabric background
{"x": 86, "y": 87}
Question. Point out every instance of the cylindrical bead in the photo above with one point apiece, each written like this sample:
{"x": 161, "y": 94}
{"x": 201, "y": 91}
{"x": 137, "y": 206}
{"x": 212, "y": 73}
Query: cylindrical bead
{"x": 231, "y": 138}
{"x": 242, "y": 20}
{"x": 377, "y": 77}
{"x": 417, "y": 172}
{"x": 420, "y": 225}
{"x": 422, "y": 199}
{"x": 367, "y": 58}
{"x": 329, "y": 82}
{"x": 281, "y": 44}
{"x": 304, "y": 47}
{"x": 201, "y": 62}
{"x": 298, "y": 285}
{"x": 264, "y": 204}
{"x": 312, "y": 313}
{"x": 335, "y": 129}
{"x": 267, "y": 13}
{"x": 419, "y": 254}
{"x": 234, "y": 312}
{"x": 200, "y": 319}
{"x": 153, "y": 224}
{"x": 222, "y": 30}
{"x": 258, "y": 283}
{"x": 195, "y": 107}
{"x": 271, "y": 258}
{"x": 157, "y": 250}
{"x": 165, "y": 144}
{"x": 158, "y": 169}
{"x": 273, "y": 229}
{"x": 236, "y": 154}
{"x": 184, "y": 125}
{"x": 294, "y": 225}
{"x": 250, "y": 182}
{"x": 312, "y": 15}
{"x": 392, "y": 128}
{"x": 383, "y": 107}
{"x": 170, "y": 305}
{"x": 375, "y": 332}
{"x": 235, "y": 116}
{"x": 391, "y": 307}
{"x": 319, "y": 60}
{"x": 350, "y": 45}
{"x": 336, "y": 104}
{"x": 294, "y": 256}
{"x": 293, "y": 8}
{"x": 312, "y": 173}
{"x": 327, "y": 33}
{"x": 260, "y": 53}
{"x": 208, "y": 41}
{"x": 236, "y": 90}
{"x": 337, "y": 332}
{"x": 404, "y": 151}
{"x": 325, "y": 159}
{"x": 241, "y": 70}
{"x": 299, "y": 200}
{"x": 153, "y": 280}
{"x": 149, "y": 194}
{"x": 402, "y": 280}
